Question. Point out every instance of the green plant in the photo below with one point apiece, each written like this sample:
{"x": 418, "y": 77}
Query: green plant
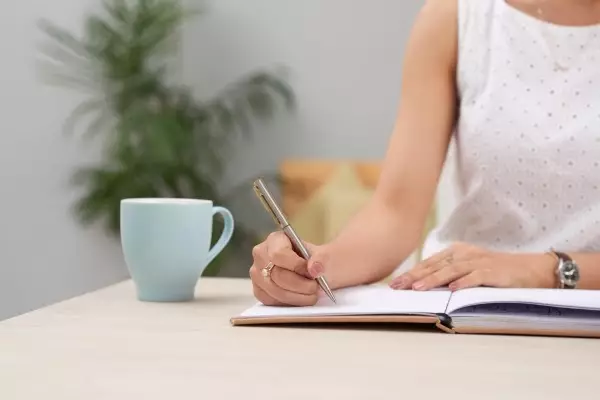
{"x": 157, "y": 139}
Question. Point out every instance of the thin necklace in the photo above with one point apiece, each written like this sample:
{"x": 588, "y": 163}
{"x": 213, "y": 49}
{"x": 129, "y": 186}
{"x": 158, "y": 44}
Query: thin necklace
{"x": 558, "y": 66}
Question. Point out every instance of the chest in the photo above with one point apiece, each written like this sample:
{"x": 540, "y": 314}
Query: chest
{"x": 520, "y": 117}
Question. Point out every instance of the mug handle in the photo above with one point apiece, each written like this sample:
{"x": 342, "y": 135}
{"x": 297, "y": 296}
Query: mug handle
{"x": 225, "y": 235}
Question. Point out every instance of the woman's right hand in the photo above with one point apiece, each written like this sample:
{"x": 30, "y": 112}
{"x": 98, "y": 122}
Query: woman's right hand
{"x": 291, "y": 281}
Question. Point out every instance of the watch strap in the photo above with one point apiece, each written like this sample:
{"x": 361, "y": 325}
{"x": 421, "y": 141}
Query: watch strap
{"x": 557, "y": 260}
{"x": 563, "y": 256}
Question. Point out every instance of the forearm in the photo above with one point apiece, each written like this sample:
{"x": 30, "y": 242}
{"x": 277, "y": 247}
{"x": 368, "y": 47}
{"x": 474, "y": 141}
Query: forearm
{"x": 544, "y": 265}
{"x": 388, "y": 229}
{"x": 375, "y": 242}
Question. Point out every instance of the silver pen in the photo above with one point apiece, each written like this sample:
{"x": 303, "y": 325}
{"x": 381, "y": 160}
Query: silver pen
{"x": 271, "y": 206}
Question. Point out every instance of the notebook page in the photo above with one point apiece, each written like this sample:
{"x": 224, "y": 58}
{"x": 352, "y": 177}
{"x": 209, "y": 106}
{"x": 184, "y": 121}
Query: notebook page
{"x": 566, "y": 298}
{"x": 364, "y": 300}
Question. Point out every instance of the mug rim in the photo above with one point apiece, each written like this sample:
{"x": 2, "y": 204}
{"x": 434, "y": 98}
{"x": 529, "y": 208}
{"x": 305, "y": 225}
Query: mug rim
{"x": 165, "y": 201}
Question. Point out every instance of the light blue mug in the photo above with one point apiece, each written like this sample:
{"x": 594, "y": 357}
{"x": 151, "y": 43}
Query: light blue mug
{"x": 166, "y": 244}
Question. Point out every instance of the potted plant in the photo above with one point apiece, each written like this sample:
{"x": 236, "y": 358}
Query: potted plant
{"x": 157, "y": 139}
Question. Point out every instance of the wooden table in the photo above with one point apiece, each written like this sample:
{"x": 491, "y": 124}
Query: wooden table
{"x": 107, "y": 345}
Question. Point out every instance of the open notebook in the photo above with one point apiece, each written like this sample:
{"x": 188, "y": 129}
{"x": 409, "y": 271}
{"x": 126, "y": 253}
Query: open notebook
{"x": 478, "y": 310}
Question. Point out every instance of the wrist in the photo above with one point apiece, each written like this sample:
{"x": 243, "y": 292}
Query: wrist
{"x": 344, "y": 265}
{"x": 545, "y": 265}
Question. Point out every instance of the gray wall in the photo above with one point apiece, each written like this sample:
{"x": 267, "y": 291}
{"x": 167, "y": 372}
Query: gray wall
{"x": 345, "y": 59}
{"x": 44, "y": 255}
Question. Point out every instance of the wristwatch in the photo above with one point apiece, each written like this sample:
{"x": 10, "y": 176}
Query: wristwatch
{"x": 567, "y": 270}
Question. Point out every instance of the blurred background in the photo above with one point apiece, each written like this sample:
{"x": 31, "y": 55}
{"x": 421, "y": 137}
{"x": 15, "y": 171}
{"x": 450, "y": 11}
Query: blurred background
{"x": 104, "y": 100}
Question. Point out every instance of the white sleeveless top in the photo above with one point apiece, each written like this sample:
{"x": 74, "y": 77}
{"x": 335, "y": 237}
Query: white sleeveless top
{"x": 528, "y": 135}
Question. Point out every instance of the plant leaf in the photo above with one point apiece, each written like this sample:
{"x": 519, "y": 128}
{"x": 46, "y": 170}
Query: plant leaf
{"x": 118, "y": 11}
{"x": 83, "y": 109}
{"x": 67, "y": 40}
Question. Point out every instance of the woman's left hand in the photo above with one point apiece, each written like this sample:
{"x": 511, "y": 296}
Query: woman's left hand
{"x": 463, "y": 266}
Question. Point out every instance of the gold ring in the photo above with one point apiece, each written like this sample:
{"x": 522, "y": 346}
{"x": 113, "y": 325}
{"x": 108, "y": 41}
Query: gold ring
{"x": 266, "y": 271}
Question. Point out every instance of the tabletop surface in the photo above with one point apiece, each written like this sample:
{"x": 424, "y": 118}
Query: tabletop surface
{"x": 108, "y": 345}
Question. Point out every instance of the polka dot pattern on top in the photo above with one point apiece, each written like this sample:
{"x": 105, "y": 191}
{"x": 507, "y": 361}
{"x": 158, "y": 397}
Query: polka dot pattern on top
{"x": 528, "y": 135}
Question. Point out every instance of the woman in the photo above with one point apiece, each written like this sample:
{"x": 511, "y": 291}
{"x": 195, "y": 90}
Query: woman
{"x": 517, "y": 83}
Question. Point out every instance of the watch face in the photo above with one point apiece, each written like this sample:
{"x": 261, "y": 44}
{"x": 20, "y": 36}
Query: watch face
{"x": 569, "y": 273}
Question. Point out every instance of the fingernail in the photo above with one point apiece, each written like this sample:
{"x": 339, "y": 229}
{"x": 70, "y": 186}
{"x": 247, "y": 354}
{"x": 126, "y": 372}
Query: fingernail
{"x": 453, "y": 286}
{"x": 419, "y": 286}
{"x": 316, "y": 269}
{"x": 400, "y": 283}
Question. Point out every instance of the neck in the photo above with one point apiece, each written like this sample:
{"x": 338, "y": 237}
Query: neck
{"x": 562, "y": 12}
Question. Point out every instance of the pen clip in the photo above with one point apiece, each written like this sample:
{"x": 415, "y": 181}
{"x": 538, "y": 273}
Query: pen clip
{"x": 269, "y": 204}
{"x": 266, "y": 205}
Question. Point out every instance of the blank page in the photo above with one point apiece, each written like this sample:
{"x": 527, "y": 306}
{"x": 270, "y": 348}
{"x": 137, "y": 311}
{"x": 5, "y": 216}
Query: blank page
{"x": 565, "y": 298}
{"x": 364, "y": 300}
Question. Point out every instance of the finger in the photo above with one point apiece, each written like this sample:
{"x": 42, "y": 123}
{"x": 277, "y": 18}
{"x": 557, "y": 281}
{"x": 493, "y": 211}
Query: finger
{"x": 424, "y": 268}
{"x": 281, "y": 253}
{"x": 263, "y": 297}
{"x": 279, "y": 294}
{"x": 319, "y": 259}
{"x": 474, "y": 279}
{"x": 436, "y": 259}
{"x": 407, "y": 279}
{"x": 444, "y": 276}
{"x": 290, "y": 281}
{"x": 259, "y": 254}
{"x": 316, "y": 264}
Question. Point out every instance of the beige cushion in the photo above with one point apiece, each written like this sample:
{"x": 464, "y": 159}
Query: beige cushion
{"x": 325, "y": 213}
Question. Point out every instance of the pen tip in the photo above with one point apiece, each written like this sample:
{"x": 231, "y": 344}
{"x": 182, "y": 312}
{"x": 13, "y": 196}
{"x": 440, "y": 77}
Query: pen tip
{"x": 332, "y": 297}
{"x": 326, "y": 289}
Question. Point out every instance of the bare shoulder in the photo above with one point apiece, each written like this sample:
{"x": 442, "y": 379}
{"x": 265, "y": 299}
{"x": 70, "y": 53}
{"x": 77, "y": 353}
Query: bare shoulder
{"x": 443, "y": 12}
{"x": 435, "y": 31}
